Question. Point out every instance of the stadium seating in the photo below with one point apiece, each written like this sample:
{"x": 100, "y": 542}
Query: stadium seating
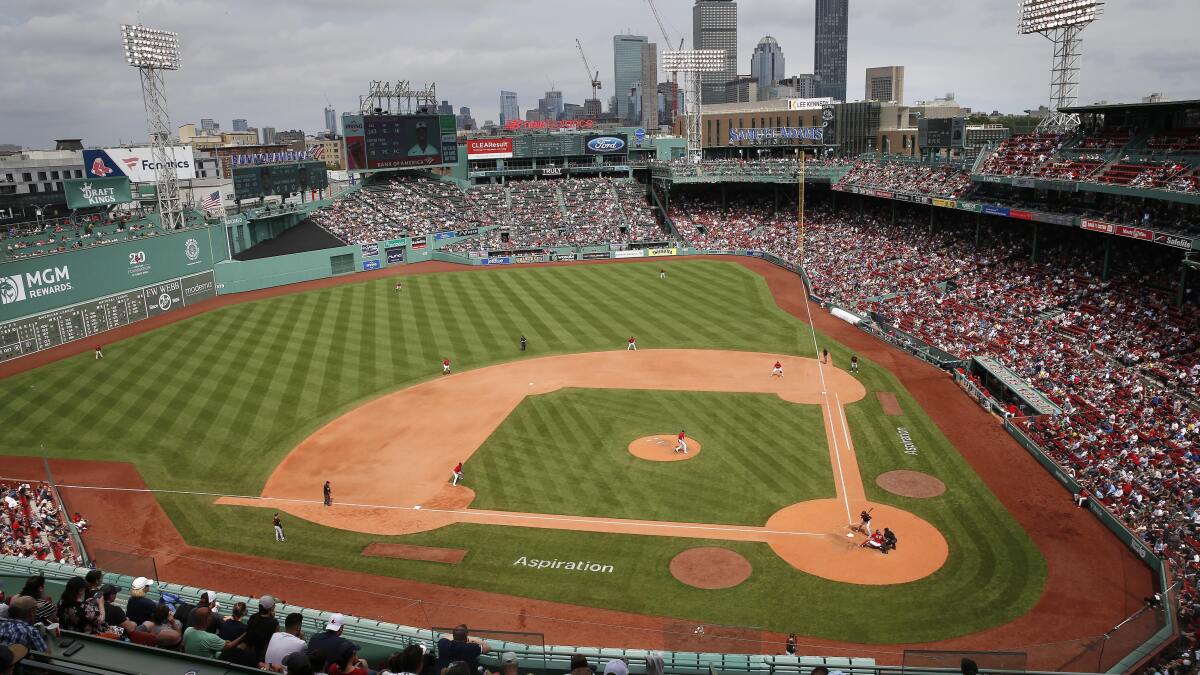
{"x": 913, "y": 178}
{"x": 377, "y": 639}
{"x": 56, "y": 235}
{"x": 32, "y": 524}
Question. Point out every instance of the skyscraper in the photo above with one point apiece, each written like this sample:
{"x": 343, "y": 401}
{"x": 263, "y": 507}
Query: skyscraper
{"x": 714, "y": 26}
{"x": 552, "y": 105}
{"x": 829, "y": 47}
{"x": 509, "y": 110}
{"x": 268, "y": 135}
{"x": 885, "y": 84}
{"x": 766, "y": 65}
{"x": 208, "y": 125}
{"x": 649, "y": 90}
{"x": 331, "y": 124}
{"x": 445, "y": 108}
{"x": 627, "y": 70}
{"x": 240, "y": 125}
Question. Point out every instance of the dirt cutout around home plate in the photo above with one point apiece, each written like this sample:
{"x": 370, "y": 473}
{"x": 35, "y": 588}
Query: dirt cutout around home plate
{"x": 379, "y": 549}
{"x": 710, "y": 568}
{"x": 911, "y": 484}
{"x": 661, "y": 448}
{"x": 887, "y": 401}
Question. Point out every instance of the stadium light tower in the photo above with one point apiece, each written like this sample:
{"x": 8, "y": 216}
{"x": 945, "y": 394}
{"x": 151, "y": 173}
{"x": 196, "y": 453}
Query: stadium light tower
{"x": 1061, "y": 22}
{"x": 153, "y": 52}
{"x": 690, "y": 63}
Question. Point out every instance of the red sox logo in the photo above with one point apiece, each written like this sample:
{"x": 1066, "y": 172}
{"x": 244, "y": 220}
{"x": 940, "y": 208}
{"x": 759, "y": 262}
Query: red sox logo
{"x": 99, "y": 168}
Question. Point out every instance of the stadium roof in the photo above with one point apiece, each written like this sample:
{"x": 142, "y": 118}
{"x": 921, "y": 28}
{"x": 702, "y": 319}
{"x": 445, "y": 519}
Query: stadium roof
{"x": 1116, "y": 107}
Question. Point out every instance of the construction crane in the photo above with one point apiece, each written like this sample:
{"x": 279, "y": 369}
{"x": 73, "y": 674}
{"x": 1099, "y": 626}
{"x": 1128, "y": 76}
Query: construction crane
{"x": 595, "y": 79}
{"x": 667, "y": 39}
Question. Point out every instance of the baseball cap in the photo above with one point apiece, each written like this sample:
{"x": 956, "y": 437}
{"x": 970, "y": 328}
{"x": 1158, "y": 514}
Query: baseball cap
{"x": 336, "y": 621}
{"x": 212, "y": 596}
{"x": 140, "y": 583}
{"x": 266, "y": 603}
{"x": 508, "y": 657}
{"x": 616, "y": 667}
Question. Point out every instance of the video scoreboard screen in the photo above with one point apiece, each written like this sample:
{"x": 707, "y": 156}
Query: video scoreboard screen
{"x": 950, "y": 132}
{"x": 278, "y": 179}
{"x": 399, "y": 141}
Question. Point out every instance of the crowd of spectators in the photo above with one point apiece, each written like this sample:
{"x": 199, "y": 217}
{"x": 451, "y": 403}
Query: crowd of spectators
{"x": 935, "y": 181}
{"x": 400, "y": 208}
{"x": 32, "y": 525}
{"x": 768, "y": 166}
{"x": 1163, "y": 163}
{"x": 57, "y": 235}
{"x": 237, "y": 635}
{"x": 752, "y": 224}
{"x": 565, "y": 212}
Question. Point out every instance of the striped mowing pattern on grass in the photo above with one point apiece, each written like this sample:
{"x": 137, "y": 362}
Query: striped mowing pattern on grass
{"x": 213, "y": 403}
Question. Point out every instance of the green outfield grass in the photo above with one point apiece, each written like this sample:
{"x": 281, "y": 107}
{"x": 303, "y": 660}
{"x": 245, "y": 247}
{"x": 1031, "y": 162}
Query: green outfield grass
{"x": 213, "y": 403}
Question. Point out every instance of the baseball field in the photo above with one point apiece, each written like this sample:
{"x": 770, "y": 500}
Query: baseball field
{"x": 243, "y": 411}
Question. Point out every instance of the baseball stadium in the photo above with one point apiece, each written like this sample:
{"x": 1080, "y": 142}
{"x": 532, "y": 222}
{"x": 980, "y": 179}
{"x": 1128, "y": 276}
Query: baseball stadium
{"x": 603, "y": 396}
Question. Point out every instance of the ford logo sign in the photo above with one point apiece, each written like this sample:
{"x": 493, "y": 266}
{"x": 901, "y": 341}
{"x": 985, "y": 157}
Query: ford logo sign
{"x": 605, "y": 144}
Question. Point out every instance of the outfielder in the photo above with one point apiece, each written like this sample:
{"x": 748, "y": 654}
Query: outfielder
{"x": 456, "y": 474}
{"x": 445, "y": 366}
{"x": 777, "y": 371}
{"x": 632, "y": 344}
{"x": 681, "y": 443}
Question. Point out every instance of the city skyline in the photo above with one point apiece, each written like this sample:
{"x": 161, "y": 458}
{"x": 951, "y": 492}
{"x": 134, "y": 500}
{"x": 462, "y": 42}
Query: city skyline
{"x": 978, "y": 55}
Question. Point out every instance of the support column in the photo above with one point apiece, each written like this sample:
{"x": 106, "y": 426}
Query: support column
{"x": 893, "y": 212}
{"x": 1182, "y": 293}
{"x": 1108, "y": 241}
{"x": 978, "y": 231}
{"x": 1033, "y": 257}
{"x": 723, "y": 212}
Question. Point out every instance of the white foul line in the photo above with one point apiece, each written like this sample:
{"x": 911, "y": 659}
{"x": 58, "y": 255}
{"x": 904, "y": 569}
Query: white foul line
{"x": 464, "y": 513}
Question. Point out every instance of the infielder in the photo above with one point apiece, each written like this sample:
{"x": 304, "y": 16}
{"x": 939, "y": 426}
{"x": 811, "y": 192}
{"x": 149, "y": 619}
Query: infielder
{"x": 327, "y": 491}
{"x": 632, "y": 344}
{"x": 777, "y": 371}
{"x": 456, "y": 474}
{"x": 681, "y": 443}
{"x": 278, "y": 524}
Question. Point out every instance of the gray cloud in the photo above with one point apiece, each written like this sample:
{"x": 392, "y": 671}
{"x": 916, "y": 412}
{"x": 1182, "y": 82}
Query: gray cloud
{"x": 278, "y": 62}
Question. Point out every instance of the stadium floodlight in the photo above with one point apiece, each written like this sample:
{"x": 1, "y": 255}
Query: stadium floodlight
{"x": 153, "y": 52}
{"x": 691, "y": 63}
{"x": 1061, "y": 22}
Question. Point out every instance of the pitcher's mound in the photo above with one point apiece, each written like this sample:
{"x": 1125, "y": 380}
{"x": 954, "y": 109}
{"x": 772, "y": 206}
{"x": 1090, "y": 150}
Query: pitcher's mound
{"x": 662, "y": 448}
{"x": 710, "y": 568}
{"x": 910, "y": 484}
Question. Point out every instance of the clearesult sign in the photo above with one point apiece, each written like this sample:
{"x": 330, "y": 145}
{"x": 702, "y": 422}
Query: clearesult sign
{"x": 83, "y": 193}
{"x": 490, "y": 148}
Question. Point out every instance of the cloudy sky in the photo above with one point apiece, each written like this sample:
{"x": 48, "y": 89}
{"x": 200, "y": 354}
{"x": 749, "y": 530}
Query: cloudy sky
{"x": 279, "y": 62}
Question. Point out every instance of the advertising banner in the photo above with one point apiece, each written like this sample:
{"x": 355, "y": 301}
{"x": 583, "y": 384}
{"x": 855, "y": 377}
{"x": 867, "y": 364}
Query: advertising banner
{"x": 1097, "y": 225}
{"x": 1186, "y": 243}
{"x": 370, "y": 250}
{"x": 369, "y": 265}
{"x": 490, "y": 148}
{"x": 395, "y": 255}
{"x": 498, "y": 260}
{"x": 87, "y": 192}
{"x": 944, "y": 203}
{"x": 1134, "y": 233}
{"x": 417, "y": 243}
{"x": 595, "y": 255}
{"x": 992, "y": 210}
{"x": 564, "y": 257}
{"x": 630, "y": 254}
{"x": 1053, "y": 218}
{"x": 921, "y": 199}
{"x": 607, "y": 144}
{"x": 1020, "y": 215}
{"x": 137, "y": 164}
{"x": 655, "y": 252}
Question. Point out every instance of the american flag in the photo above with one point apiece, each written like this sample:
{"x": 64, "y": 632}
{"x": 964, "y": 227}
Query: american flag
{"x": 316, "y": 152}
{"x": 212, "y": 201}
